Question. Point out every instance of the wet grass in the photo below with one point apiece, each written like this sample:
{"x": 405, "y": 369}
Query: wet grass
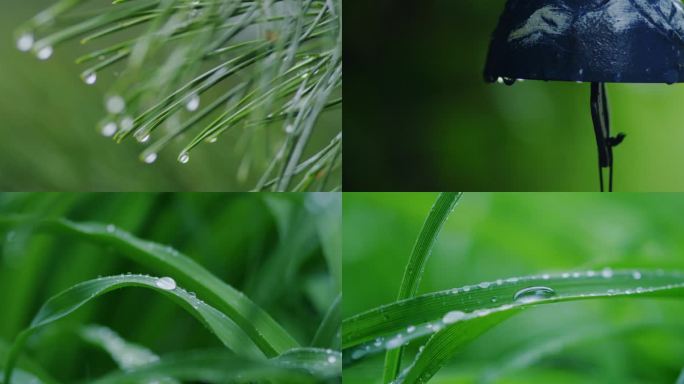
{"x": 202, "y": 319}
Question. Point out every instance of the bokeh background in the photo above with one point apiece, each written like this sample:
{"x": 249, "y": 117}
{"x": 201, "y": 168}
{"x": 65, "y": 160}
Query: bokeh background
{"x": 499, "y": 235}
{"x": 421, "y": 118}
{"x": 241, "y": 238}
{"x": 49, "y": 139}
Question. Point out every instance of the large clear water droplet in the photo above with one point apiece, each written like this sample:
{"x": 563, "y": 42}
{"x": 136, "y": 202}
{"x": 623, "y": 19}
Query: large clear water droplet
{"x": 184, "y": 158}
{"x": 166, "y": 283}
{"x": 115, "y": 104}
{"x": 193, "y": 103}
{"x": 25, "y": 42}
{"x": 142, "y": 136}
{"x": 532, "y": 294}
{"x": 90, "y": 78}
{"x": 453, "y": 316}
{"x": 44, "y": 53}
{"x": 109, "y": 129}
{"x": 151, "y": 158}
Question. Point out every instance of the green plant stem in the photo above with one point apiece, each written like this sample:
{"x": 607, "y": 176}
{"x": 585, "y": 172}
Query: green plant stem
{"x": 441, "y": 209}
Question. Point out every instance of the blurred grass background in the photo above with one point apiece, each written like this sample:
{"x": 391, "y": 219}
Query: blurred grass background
{"x": 238, "y": 237}
{"x": 421, "y": 118}
{"x": 500, "y": 235}
{"x": 49, "y": 139}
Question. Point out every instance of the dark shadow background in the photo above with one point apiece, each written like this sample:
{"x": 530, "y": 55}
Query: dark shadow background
{"x": 420, "y": 117}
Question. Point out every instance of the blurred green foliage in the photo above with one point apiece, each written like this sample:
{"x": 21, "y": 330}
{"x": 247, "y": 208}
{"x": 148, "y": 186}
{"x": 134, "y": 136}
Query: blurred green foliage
{"x": 500, "y": 235}
{"x": 421, "y": 118}
{"x": 49, "y": 139}
{"x": 238, "y": 237}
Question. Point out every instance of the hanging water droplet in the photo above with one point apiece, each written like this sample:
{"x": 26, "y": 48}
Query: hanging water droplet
{"x": 150, "y": 158}
{"x": 108, "y": 129}
{"x": 25, "y": 42}
{"x": 142, "y": 136}
{"x": 44, "y": 53}
{"x": 166, "y": 283}
{"x": 453, "y": 316}
{"x": 332, "y": 359}
{"x": 531, "y": 294}
{"x": 127, "y": 123}
{"x": 193, "y": 103}
{"x": 636, "y": 275}
{"x": 90, "y": 78}
{"x": 115, "y": 104}
{"x": 184, "y": 158}
{"x": 607, "y": 273}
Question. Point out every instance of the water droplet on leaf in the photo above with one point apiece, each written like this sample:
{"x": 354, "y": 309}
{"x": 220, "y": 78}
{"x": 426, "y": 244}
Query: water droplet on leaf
{"x": 184, "y": 158}
{"x": 193, "y": 103}
{"x": 607, "y": 273}
{"x": 166, "y": 283}
{"x": 453, "y": 316}
{"x": 332, "y": 359}
{"x": 150, "y": 158}
{"x": 636, "y": 275}
{"x": 532, "y": 294}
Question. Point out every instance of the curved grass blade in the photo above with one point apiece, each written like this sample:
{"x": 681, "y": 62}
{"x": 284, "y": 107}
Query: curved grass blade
{"x": 443, "y": 206}
{"x": 327, "y": 334}
{"x": 454, "y": 316}
{"x": 68, "y": 301}
{"x": 266, "y": 333}
{"x": 218, "y": 367}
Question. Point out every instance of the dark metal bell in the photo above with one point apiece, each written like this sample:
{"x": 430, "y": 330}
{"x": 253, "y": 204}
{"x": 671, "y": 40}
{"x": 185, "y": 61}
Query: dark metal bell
{"x": 629, "y": 41}
{"x": 597, "y": 41}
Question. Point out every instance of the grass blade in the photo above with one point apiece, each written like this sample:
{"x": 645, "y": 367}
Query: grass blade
{"x": 443, "y": 206}
{"x": 221, "y": 367}
{"x": 327, "y": 333}
{"x": 266, "y": 333}
{"x": 68, "y": 301}
{"x": 454, "y": 317}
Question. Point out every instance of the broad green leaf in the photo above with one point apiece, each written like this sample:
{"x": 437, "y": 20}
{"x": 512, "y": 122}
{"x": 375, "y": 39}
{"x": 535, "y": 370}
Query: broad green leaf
{"x": 422, "y": 249}
{"x": 75, "y": 297}
{"x": 297, "y": 366}
{"x": 266, "y": 333}
{"x": 454, "y": 317}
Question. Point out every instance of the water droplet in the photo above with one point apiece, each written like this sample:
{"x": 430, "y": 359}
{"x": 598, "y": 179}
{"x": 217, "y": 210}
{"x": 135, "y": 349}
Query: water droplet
{"x": 546, "y": 276}
{"x": 25, "y": 42}
{"x": 193, "y": 103}
{"x": 44, "y": 53}
{"x": 484, "y": 284}
{"x": 142, "y": 136}
{"x": 127, "y": 123}
{"x": 166, "y": 283}
{"x": 636, "y": 275}
{"x": 453, "y": 316}
{"x": 90, "y": 78}
{"x": 289, "y": 128}
{"x": 332, "y": 359}
{"x": 150, "y": 158}
{"x": 531, "y": 294}
{"x": 508, "y": 81}
{"x": 410, "y": 329}
{"x": 500, "y": 80}
{"x": 212, "y": 139}
{"x": 184, "y": 158}
{"x": 111, "y": 228}
{"x": 115, "y": 104}
{"x": 466, "y": 288}
{"x": 108, "y": 129}
{"x": 607, "y": 273}
{"x": 493, "y": 299}
{"x": 395, "y": 342}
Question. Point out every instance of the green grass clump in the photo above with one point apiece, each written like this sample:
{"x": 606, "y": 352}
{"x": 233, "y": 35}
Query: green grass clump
{"x": 452, "y": 335}
{"x": 194, "y": 324}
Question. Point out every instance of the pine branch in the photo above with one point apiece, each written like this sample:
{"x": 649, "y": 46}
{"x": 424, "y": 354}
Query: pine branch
{"x": 201, "y": 68}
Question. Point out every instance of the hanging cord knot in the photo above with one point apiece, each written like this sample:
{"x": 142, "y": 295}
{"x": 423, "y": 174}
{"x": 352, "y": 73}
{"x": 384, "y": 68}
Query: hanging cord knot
{"x": 616, "y": 140}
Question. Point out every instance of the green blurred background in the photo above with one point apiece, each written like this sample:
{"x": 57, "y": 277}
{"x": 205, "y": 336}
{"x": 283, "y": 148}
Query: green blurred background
{"x": 421, "y": 118}
{"x": 499, "y": 235}
{"x": 281, "y": 250}
{"x": 49, "y": 140}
